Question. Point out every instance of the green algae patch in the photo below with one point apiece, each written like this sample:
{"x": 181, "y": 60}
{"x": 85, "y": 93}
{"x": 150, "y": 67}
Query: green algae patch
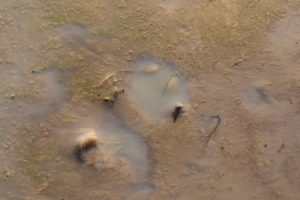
{"x": 88, "y": 90}
{"x": 104, "y": 33}
{"x": 58, "y": 19}
{"x": 32, "y": 156}
{"x": 33, "y": 175}
{"x": 34, "y": 166}
{"x": 63, "y": 18}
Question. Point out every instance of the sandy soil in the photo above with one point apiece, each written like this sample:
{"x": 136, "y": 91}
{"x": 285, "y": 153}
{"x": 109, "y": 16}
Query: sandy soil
{"x": 239, "y": 60}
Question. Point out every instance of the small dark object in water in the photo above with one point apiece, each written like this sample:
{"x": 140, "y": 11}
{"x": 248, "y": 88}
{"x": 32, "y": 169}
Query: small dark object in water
{"x": 177, "y": 111}
{"x": 83, "y": 144}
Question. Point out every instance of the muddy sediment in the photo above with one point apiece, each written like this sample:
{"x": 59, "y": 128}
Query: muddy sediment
{"x": 60, "y": 60}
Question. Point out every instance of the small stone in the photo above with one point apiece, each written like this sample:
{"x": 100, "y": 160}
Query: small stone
{"x": 265, "y": 145}
{"x": 43, "y": 187}
{"x": 71, "y": 54}
{"x": 12, "y": 96}
{"x": 9, "y": 173}
{"x": 108, "y": 100}
{"x": 80, "y": 57}
{"x": 84, "y": 144}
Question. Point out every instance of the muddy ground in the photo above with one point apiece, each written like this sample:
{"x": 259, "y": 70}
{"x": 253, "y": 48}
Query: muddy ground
{"x": 238, "y": 59}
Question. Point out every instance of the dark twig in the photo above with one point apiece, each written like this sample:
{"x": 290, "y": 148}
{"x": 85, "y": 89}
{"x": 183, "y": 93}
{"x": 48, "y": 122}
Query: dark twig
{"x": 211, "y": 133}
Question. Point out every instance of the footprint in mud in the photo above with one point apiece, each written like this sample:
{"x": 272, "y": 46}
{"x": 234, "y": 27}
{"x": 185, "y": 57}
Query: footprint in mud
{"x": 157, "y": 87}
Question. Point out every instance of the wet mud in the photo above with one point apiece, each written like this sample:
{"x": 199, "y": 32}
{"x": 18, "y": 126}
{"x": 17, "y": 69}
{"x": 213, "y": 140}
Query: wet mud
{"x": 118, "y": 69}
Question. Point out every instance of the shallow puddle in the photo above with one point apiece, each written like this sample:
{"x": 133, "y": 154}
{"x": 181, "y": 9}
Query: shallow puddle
{"x": 157, "y": 86}
{"x": 118, "y": 144}
{"x": 32, "y": 94}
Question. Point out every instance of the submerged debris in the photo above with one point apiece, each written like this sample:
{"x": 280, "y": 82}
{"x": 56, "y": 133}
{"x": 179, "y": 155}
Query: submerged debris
{"x": 85, "y": 143}
{"x": 157, "y": 86}
{"x": 152, "y": 68}
{"x": 177, "y": 111}
{"x": 215, "y": 128}
{"x": 172, "y": 83}
{"x": 210, "y": 135}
